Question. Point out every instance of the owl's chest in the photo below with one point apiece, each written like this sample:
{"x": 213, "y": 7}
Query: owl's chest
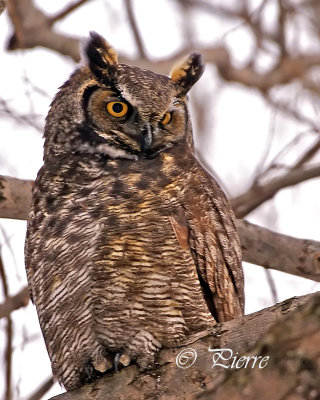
{"x": 122, "y": 202}
{"x": 126, "y": 191}
{"x": 133, "y": 205}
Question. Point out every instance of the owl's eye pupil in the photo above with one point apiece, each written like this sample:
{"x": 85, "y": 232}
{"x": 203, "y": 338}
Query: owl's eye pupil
{"x": 117, "y": 107}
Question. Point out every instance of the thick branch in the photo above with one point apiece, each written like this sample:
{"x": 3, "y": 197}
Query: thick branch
{"x": 259, "y": 245}
{"x": 33, "y": 28}
{"x": 15, "y": 197}
{"x": 3, "y": 4}
{"x": 169, "y": 381}
{"x": 21, "y": 299}
{"x": 293, "y": 368}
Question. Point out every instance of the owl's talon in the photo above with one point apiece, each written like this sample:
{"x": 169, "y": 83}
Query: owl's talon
{"x": 124, "y": 360}
{"x": 101, "y": 364}
{"x": 121, "y": 359}
{"x": 116, "y": 361}
{"x": 88, "y": 370}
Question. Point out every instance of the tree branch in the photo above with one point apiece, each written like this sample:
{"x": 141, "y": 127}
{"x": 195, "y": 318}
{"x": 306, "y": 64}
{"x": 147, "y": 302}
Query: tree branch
{"x": 135, "y": 29}
{"x": 308, "y": 155}
{"x": 260, "y": 246}
{"x": 42, "y": 390}
{"x": 293, "y": 369}
{"x": 21, "y": 299}
{"x": 3, "y": 4}
{"x": 258, "y": 194}
{"x": 15, "y": 197}
{"x": 34, "y": 28}
{"x": 284, "y": 253}
{"x": 9, "y": 337}
{"x": 161, "y": 382}
{"x": 66, "y": 11}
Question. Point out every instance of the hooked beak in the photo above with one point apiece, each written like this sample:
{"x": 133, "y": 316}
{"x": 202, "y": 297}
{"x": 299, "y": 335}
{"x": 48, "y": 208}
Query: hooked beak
{"x": 146, "y": 138}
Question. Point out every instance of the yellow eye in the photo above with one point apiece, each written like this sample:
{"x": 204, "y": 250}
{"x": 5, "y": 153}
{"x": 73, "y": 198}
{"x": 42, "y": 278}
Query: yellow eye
{"x": 117, "y": 108}
{"x": 167, "y": 118}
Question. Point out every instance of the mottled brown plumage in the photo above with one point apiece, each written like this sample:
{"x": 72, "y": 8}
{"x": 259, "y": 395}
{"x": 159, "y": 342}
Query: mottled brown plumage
{"x": 131, "y": 245}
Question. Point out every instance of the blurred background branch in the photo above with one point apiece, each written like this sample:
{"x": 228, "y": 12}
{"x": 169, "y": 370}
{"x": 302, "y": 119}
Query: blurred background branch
{"x": 260, "y": 246}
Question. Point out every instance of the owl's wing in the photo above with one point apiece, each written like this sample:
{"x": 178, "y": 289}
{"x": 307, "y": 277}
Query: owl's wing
{"x": 206, "y": 225}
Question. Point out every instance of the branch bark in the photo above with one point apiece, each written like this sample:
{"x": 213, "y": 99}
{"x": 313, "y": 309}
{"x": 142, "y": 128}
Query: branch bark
{"x": 284, "y": 253}
{"x": 21, "y": 299}
{"x": 33, "y": 28}
{"x": 167, "y": 381}
{"x": 42, "y": 390}
{"x": 3, "y": 4}
{"x": 293, "y": 369}
{"x": 15, "y": 197}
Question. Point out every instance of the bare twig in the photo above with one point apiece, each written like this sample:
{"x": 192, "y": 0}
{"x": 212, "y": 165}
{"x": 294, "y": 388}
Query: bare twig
{"x": 33, "y": 28}
{"x": 282, "y": 14}
{"x": 66, "y": 11}
{"x": 275, "y": 163}
{"x": 42, "y": 390}
{"x": 258, "y": 194}
{"x": 8, "y": 348}
{"x": 308, "y": 155}
{"x": 272, "y": 285}
{"x": 285, "y": 108}
{"x": 21, "y": 299}
{"x": 135, "y": 29}
{"x": 23, "y": 119}
{"x": 212, "y": 8}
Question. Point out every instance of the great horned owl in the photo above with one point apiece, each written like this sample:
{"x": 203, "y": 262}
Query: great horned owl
{"x": 131, "y": 245}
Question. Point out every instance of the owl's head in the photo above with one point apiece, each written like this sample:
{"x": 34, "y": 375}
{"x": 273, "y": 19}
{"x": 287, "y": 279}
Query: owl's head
{"x": 118, "y": 110}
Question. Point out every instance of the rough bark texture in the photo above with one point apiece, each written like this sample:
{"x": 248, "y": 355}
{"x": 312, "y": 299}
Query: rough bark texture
{"x": 15, "y": 197}
{"x": 284, "y": 253}
{"x": 293, "y": 370}
{"x": 167, "y": 381}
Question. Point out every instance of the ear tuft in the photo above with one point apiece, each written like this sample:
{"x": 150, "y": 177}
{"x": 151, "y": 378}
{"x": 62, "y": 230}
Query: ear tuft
{"x": 186, "y": 73}
{"x": 102, "y": 58}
